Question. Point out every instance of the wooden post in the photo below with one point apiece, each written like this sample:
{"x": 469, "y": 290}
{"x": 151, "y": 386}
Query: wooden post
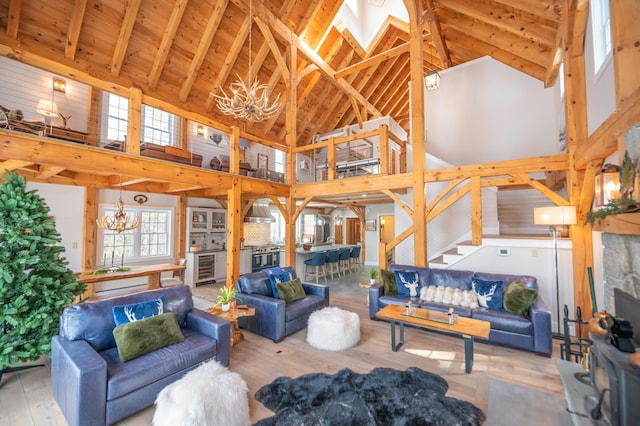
{"x": 234, "y": 218}
{"x": 90, "y": 228}
{"x": 134, "y": 121}
{"x": 415, "y": 9}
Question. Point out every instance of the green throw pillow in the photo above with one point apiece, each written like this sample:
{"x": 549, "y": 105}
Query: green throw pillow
{"x": 517, "y": 298}
{"x": 291, "y": 290}
{"x": 389, "y": 282}
{"x": 137, "y": 338}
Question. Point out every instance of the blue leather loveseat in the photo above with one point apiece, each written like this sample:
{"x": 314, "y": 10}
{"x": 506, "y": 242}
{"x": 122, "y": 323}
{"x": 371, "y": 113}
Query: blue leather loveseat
{"x": 531, "y": 331}
{"x": 274, "y": 318}
{"x": 90, "y": 383}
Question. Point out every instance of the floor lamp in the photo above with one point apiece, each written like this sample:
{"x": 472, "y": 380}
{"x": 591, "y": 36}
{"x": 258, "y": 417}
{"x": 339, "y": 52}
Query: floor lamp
{"x": 555, "y": 217}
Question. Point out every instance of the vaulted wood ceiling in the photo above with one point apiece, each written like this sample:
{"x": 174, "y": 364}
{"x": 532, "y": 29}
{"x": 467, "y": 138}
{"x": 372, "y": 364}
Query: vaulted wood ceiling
{"x": 181, "y": 51}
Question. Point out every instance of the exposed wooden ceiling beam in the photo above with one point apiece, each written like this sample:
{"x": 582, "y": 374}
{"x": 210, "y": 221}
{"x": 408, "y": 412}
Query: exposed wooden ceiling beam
{"x": 47, "y": 171}
{"x": 437, "y": 37}
{"x": 75, "y": 25}
{"x": 203, "y": 48}
{"x": 13, "y": 20}
{"x": 124, "y": 35}
{"x": 14, "y": 164}
{"x": 548, "y": 10}
{"x": 275, "y": 50}
{"x": 229, "y": 61}
{"x": 167, "y": 41}
{"x": 503, "y": 18}
{"x": 388, "y": 54}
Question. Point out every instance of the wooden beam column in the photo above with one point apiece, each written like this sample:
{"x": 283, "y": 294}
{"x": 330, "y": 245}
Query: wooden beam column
{"x": 90, "y": 228}
{"x": 234, "y": 223}
{"x": 415, "y": 9}
{"x": 576, "y": 119}
{"x": 134, "y": 121}
{"x": 181, "y": 223}
{"x": 291, "y": 172}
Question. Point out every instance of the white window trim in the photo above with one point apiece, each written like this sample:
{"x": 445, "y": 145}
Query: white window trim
{"x": 597, "y": 37}
{"x": 169, "y": 258}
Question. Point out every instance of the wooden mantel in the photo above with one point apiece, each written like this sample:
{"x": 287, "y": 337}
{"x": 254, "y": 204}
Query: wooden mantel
{"x": 626, "y": 223}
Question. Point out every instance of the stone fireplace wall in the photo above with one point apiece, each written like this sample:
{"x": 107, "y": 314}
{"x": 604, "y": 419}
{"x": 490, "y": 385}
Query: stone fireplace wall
{"x": 621, "y": 261}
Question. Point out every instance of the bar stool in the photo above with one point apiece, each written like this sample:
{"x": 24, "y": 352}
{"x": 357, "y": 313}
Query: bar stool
{"x": 344, "y": 260}
{"x": 317, "y": 263}
{"x": 332, "y": 262}
{"x": 354, "y": 258}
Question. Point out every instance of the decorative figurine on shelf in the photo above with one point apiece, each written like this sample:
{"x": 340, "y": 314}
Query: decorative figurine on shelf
{"x": 65, "y": 120}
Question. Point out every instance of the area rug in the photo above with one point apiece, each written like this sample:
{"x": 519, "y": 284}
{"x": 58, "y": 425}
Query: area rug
{"x": 511, "y": 404}
{"x": 381, "y": 397}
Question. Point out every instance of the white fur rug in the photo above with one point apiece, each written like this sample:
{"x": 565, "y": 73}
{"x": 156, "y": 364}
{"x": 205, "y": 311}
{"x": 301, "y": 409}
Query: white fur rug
{"x": 333, "y": 329}
{"x": 210, "y": 395}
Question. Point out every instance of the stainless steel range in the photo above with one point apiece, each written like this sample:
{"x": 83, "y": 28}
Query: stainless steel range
{"x": 263, "y": 257}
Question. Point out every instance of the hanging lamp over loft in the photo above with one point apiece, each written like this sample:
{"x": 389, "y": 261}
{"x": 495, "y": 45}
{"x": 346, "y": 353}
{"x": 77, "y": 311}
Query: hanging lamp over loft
{"x": 432, "y": 79}
{"x": 249, "y": 101}
{"x": 119, "y": 221}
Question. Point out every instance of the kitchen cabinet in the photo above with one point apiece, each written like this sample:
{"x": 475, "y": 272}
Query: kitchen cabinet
{"x": 221, "y": 266}
{"x": 202, "y": 219}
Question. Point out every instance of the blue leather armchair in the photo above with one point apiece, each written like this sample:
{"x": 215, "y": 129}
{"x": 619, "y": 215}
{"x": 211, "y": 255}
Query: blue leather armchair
{"x": 90, "y": 383}
{"x": 274, "y": 318}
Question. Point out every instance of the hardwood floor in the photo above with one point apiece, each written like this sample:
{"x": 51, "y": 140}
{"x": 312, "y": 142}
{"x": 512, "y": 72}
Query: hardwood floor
{"x": 26, "y": 399}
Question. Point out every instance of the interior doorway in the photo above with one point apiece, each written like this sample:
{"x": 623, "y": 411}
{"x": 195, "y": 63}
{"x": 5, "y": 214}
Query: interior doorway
{"x": 337, "y": 232}
{"x": 354, "y": 230}
{"x": 387, "y": 234}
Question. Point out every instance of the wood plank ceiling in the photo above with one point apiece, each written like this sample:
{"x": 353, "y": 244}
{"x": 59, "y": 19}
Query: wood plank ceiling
{"x": 181, "y": 51}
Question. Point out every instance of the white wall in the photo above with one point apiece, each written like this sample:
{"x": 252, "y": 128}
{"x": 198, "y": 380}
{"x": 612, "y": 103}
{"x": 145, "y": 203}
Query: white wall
{"x": 530, "y": 257}
{"x": 485, "y": 111}
{"x": 22, "y": 86}
{"x": 65, "y": 203}
{"x": 372, "y": 238}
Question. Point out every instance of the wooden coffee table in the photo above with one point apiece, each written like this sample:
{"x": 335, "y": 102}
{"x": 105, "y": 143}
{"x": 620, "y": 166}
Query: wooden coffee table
{"x": 232, "y": 316}
{"x": 468, "y": 328}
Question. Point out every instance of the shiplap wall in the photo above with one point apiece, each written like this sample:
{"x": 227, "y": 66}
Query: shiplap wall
{"x": 515, "y": 212}
{"x": 22, "y": 86}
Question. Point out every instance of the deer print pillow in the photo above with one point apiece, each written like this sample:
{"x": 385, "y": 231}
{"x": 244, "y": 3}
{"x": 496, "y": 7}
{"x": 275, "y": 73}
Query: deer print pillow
{"x": 408, "y": 283}
{"x": 489, "y": 293}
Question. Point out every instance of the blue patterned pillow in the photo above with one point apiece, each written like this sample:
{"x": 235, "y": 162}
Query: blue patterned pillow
{"x": 278, "y": 275}
{"x": 489, "y": 293}
{"x": 408, "y": 283}
{"x": 123, "y": 314}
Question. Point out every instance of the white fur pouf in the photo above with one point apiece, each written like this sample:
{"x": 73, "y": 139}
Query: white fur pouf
{"x": 207, "y": 396}
{"x": 333, "y": 329}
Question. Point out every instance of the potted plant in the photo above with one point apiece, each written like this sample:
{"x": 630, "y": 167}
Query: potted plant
{"x": 373, "y": 275}
{"x": 226, "y": 297}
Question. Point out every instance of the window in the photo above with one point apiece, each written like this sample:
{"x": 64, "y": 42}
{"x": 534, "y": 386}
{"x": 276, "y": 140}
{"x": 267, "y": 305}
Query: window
{"x": 159, "y": 127}
{"x": 280, "y": 161}
{"x": 601, "y": 23}
{"x": 117, "y": 117}
{"x": 153, "y": 238}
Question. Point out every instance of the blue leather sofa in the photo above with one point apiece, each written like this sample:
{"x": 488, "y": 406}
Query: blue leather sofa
{"x": 90, "y": 383}
{"x": 530, "y": 332}
{"x": 274, "y": 318}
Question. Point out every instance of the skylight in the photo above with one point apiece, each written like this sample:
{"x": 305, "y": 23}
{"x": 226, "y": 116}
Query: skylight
{"x": 364, "y": 18}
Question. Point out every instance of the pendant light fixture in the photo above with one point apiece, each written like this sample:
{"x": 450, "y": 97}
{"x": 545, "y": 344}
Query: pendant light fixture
{"x": 120, "y": 221}
{"x": 249, "y": 100}
{"x": 432, "y": 79}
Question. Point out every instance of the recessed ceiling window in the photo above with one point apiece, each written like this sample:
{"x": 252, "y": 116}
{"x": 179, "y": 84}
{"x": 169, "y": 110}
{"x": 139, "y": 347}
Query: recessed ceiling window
{"x": 601, "y": 24}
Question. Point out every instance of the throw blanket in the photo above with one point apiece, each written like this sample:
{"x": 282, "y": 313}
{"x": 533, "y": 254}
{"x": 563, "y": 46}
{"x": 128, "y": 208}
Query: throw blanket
{"x": 381, "y": 397}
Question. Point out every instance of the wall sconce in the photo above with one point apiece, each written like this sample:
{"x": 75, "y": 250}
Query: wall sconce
{"x": 200, "y": 130}
{"x": 607, "y": 185}
{"x": 59, "y": 85}
{"x": 244, "y": 144}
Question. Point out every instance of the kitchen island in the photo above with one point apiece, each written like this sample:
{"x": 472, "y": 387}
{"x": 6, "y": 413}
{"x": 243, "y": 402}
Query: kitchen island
{"x": 302, "y": 255}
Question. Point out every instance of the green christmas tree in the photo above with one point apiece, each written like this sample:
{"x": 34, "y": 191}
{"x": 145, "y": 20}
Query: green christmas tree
{"x": 35, "y": 282}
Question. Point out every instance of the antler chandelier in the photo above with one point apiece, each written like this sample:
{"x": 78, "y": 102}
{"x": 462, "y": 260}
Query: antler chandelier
{"x": 120, "y": 221}
{"x": 249, "y": 100}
